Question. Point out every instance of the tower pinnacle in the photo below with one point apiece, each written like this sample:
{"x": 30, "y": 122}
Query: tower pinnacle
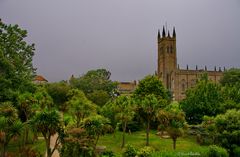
{"x": 174, "y": 32}
{"x": 163, "y": 32}
{"x": 168, "y": 34}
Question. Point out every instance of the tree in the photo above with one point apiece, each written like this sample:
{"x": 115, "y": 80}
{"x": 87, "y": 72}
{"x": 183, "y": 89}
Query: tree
{"x": 231, "y": 77}
{"x": 99, "y": 97}
{"x": 10, "y": 125}
{"x": 203, "y": 99}
{"x": 151, "y": 85}
{"x": 95, "y": 80}
{"x": 96, "y": 126}
{"x": 43, "y": 99}
{"x": 16, "y": 70}
{"x": 80, "y": 106}
{"x": 77, "y": 143}
{"x": 124, "y": 107}
{"x": 48, "y": 123}
{"x": 58, "y": 91}
{"x": 150, "y": 96}
{"x": 26, "y": 102}
{"x": 173, "y": 119}
{"x": 230, "y": 89}
{"x": 227, "y": 130}
{"x": 109, "y": 111}
{"x": 148, "y": 109}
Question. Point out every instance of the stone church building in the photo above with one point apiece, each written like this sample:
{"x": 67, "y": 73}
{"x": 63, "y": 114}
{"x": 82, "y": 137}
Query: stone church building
{"x": 177, "y": 80}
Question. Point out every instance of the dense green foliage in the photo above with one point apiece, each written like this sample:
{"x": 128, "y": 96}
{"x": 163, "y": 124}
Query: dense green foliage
{"x": 125, "y": 110}
{"x": 228, "y": 130}
{"x": 16, "y": 70}
{"x": 148, "y": 109}
{"x": 79, "y": 106}
{"x": 96, "y": 126}
{"x": 58, "y": 91}
{"x": 215, "y": 151}
{"x": 224, "y": 130}
{"x": 77, "y": 143}
{"x": 130, "y": 151}
{"x": 48, "y": 124}
{"x": 231, "y": 77}
{"x": 10, "y": 125}
{"x": 96, "y": 84}
{"x": 99, "y": 97}
{"x": 150, "y": 96}
{"x": 173, "y": 120}
{"x": 151, "y": 85}
{"x": 203, "y": 99}
{"x": 109, "y": 111}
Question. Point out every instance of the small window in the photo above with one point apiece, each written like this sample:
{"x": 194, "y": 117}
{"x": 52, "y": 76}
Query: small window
{"x": 171, "y": 49}
{"x": 183, "y": 86}
{"x": 193, "y": 82}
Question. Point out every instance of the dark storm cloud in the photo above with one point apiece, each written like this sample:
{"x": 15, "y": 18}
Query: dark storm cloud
{"x": 74, "y": 36}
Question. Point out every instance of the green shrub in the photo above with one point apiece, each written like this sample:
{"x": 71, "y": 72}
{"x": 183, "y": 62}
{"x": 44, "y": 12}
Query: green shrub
{"x": 130, "y": 151}
{"x": 107, "y": 153}
{"x": 132, "y": 126}
{"x": 236, "y": 152}
{"x": 215, "y": 151}
{"x": 177, "y": 154}
{"x": 145, "y": 151}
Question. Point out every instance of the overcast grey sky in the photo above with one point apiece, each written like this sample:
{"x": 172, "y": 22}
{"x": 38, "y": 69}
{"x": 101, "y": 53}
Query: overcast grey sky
{"x": 74, "y": 36}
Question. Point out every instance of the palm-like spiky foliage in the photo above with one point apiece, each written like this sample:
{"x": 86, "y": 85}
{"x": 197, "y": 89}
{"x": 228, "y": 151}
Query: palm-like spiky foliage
{"x": 173, "y": 120}
{"x": 10, "y": 126}
{"x": 48, "y": 123}
{"x": 124, "y": 107}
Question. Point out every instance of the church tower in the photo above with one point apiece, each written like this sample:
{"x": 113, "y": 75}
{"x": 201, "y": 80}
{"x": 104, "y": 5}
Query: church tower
{"x": 167, "y": 58}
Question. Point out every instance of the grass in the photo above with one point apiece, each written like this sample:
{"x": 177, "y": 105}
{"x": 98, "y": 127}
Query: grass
{"x": 138, "y": 139}
{"x": 39, "y": 145}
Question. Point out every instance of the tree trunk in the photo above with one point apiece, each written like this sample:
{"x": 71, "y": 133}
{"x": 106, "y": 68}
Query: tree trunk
{"x": 47, "y": 140}
{"x": 147, "y": 130}
{"x": 3, "y": 150}
{"x": 96, "y": 141}
{"x": 26, "y": 137}
{"x": 174, "y": 143}
{"x": 26, "y": 130}
{"x": 114, "y": 132}
{"x": 123, "y": 135}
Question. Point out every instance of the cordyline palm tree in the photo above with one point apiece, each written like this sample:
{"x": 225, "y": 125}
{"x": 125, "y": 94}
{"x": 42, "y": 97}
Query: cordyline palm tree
{"x": 149, "y": 106}
{"x": 10, "y": 126}
{"x": 173, "y": 120}
{"x": 96, "y": 126}
{"x": 48, "y": 123}
{"x": 124, "y": 107}
{"x": 26, "y": 105}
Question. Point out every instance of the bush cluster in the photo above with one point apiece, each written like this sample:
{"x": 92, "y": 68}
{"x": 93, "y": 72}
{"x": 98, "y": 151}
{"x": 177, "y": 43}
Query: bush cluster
{"x": 134, "y": 152}
{"x": 215, "y": 151}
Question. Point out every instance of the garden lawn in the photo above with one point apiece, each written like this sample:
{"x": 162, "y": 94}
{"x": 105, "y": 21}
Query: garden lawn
{"x": 138, "y": 140}
{"x": 39, "y": 146}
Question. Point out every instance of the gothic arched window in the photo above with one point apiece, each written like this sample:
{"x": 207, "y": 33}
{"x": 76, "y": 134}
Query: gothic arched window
{"x": 193, "y": 82}
{"x": 183, "y": 86}
{"x": 171, "y": 49}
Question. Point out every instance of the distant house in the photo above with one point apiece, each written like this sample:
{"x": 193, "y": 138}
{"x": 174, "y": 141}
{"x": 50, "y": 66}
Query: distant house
{"x": 40, "y": 80}
{"x": 127, "y": 87}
